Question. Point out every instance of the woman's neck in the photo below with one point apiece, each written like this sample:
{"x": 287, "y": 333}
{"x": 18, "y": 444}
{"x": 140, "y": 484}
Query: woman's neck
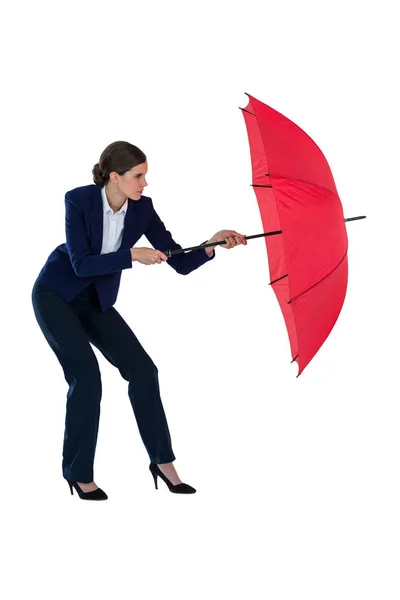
{"x": 114, "y": 199}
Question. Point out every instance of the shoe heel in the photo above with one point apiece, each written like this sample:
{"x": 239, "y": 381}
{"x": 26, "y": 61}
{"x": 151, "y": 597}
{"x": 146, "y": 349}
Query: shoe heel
{"x": 155, "y": 479}
{"x": 71, "y": 488}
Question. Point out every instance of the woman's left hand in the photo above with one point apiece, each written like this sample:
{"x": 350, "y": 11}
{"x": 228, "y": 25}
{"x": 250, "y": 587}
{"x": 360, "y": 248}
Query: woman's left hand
{"x": 231, "y": 237}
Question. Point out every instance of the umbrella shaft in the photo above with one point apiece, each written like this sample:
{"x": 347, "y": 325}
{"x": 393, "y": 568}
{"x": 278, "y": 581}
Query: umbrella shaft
{"x": 354, "y": 218}
{"x": 248, "y": 237}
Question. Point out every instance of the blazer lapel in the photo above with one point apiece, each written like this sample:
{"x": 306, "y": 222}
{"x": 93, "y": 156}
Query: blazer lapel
{"x": 130, "y": 225}
{"x": 96, "y": 222}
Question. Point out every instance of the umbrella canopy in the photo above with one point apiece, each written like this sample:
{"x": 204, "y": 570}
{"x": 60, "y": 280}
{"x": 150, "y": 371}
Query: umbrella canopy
{"x": 296, "y": 194}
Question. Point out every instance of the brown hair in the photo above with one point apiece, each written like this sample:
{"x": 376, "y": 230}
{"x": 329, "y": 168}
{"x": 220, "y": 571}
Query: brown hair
{"x": 119, "y": 157}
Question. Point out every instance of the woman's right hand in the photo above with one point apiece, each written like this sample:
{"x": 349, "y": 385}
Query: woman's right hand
{"x": 148, "y": 256}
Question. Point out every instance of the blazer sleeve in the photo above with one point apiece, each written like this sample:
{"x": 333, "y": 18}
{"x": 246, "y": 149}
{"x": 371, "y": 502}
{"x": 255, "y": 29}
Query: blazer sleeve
{"x": 83, "y": 262}
{"x": 161, "y": 239}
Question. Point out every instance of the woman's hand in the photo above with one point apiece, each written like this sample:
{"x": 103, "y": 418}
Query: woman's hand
{"x": 148, "y": 256}
{"x": 232, "y": 238}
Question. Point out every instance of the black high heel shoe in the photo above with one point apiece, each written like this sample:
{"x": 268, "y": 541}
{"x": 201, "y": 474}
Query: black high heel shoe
{"x": 98, "y": 494}
{"x": 180, "y": 488}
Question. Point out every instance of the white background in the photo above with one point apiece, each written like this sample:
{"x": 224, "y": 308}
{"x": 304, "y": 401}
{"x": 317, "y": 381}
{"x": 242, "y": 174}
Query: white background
{"x": 297, "y": 478}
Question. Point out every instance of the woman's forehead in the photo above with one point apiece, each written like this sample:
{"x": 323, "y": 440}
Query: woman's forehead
{"x": 140, "y": 169}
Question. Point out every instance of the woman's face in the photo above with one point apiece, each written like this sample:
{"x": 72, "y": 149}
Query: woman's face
{"x": 133, "y": 182}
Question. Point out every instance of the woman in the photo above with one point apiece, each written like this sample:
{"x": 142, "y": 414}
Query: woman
{"x": 73, "y": 299}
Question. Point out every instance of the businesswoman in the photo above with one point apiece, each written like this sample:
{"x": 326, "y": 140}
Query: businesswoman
{"x": 73, "y": 299}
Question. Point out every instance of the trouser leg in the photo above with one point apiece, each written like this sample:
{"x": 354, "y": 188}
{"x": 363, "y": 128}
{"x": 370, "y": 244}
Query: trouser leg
{"x": 108, "y": 332}
{"x": 63, "y": 330}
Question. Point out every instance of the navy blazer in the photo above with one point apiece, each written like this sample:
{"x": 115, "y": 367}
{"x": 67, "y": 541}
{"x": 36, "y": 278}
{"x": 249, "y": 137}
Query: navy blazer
{"x": 78, "y": 262}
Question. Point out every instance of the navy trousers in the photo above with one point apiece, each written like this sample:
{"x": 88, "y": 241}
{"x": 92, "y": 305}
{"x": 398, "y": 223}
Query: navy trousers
{"x": 70, "y": 328}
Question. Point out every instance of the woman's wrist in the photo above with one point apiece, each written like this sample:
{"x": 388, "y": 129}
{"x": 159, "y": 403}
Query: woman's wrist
{"x": 210, "y": 249}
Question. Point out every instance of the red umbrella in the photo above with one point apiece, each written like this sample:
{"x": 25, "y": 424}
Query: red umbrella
{"x": 297, "y": 195}
{"x": 307, "y": 247}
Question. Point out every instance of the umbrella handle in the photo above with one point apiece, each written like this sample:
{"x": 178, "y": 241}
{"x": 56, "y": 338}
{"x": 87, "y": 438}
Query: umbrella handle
{"x": 248, "y": 237}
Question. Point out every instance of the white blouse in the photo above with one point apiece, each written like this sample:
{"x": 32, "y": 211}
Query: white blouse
{"x": 113, "y": 225}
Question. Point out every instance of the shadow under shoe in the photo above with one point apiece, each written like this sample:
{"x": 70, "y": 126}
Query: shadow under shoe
{"x": 98, "y": 494}
{"x": 180, "y": 488}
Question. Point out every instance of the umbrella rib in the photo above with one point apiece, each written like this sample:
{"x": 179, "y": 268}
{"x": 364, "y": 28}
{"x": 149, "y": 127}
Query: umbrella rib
{"x": 294, "y": 358}
{"x": 279, "y": 278}
{"x": 250, "y": 113}
{"x": 318, "y": 282}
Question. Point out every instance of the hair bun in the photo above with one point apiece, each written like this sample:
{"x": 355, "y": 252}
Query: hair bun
{"x": 98, "y": 177}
